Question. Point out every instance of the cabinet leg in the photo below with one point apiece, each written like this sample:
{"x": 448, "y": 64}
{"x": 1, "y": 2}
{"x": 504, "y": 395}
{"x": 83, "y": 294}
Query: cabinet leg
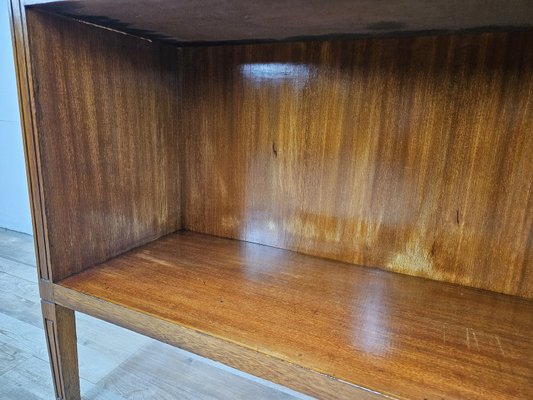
{"x": 60, "y": 329}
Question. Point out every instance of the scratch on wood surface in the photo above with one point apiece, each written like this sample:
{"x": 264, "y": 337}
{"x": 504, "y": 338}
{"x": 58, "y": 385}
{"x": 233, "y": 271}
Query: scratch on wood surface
{"x": 467, "y": 339}
{"x": 444, "y": 333}
{"x": 499, "y": 344}
{"x": 475, "y": 339}
{"x": 107, "y": 28}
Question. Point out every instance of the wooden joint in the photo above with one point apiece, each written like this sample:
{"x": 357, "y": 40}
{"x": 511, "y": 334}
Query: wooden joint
{"x": 46, "y": 290}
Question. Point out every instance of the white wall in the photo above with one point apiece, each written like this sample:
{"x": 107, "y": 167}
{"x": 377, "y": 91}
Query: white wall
{"x": 14, "y": 202}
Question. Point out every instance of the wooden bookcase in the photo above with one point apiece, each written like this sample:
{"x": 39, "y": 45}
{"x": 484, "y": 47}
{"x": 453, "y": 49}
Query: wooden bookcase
{"x": 333, "y": 196}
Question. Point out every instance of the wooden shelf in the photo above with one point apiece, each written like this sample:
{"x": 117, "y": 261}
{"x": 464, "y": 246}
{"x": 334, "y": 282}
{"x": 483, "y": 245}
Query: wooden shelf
{"x": 393, "y": 334}
{"x": 208, "y": 21}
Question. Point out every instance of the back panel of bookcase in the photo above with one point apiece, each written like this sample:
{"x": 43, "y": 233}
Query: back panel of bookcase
{"x": 410, "y": 154}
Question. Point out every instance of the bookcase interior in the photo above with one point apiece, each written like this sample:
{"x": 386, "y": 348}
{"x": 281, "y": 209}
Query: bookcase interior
{"x": 407, "y": 154}
{"x": 380, "y": 182}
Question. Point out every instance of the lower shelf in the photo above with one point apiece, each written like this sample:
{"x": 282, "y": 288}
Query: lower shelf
{"x": 334, "y": 324}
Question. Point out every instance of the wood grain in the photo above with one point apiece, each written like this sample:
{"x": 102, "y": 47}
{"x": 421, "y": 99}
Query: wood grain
{"x": 408, "y": 154}
{"x": 105, "y": 117}
{"x": 200, "y": 21}
{"x": 31, "y": 143}
{"x": 219, "y": 349}
{"x": 60, "y": 329}
{"x": 373, "y": 152}
{"x": 398, "y": 335}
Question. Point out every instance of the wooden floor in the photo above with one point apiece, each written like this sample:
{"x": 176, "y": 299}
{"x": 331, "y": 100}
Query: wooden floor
{"x": 114, "y": 363}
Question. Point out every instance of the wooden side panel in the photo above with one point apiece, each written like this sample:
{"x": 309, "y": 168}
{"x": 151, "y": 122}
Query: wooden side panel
{"x": 409, "y": 154}
{"x": 107, "y": 140}
{"x": 33, "y": 162}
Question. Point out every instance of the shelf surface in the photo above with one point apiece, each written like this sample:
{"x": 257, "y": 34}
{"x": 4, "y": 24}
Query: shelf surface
{"x": 399, "y": 335}
{"x": 193, "y": 21}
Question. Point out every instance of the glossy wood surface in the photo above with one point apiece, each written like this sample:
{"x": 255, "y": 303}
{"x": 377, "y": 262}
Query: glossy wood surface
{"x": 200, "y": 21}
{"x": 106, "y": 127}
{"x": 222, "y": 350}
{"x": 409, "y": 154}
{"x": 395, "y": 334}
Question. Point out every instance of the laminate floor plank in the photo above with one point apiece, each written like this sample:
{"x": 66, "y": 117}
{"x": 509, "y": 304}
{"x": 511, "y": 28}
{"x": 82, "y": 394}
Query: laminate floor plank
{"x": 10, "y": 357}
{"x": 16, "y": 390}
{"x": 23, "y": 336}
{"x": 16, "y": 246}
{"x": 11, "y": 284}
{"x": 190, "y": 378}
{"x": 19, "y": 269}
{"x": 34, "y": 376}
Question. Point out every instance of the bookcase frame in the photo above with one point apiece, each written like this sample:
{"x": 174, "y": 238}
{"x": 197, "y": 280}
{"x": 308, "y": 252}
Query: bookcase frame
{"x": 316, "y": 176}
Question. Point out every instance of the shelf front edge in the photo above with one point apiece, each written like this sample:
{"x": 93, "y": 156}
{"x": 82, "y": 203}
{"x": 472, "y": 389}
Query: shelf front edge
{"x": 242, "y": 358}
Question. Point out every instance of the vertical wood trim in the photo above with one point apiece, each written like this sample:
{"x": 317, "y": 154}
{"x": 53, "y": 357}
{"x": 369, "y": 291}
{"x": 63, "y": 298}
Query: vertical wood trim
{"x": 29, "y": 135}
{"x": 60, "y": 329}
{"x": 53, "y": 353}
